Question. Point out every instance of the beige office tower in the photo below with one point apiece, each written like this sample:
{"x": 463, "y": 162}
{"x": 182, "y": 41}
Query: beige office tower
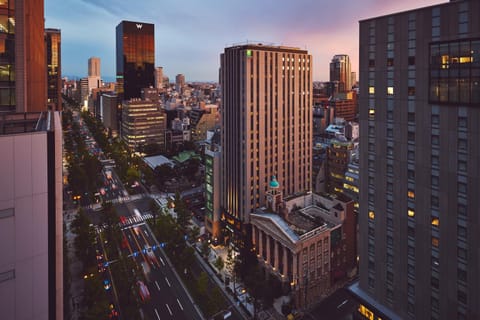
{"x": 266, "y": 126}
{"x": 94, "y": 77}
{"x": 159, "y": 78}
{"x": 419, "y": 163}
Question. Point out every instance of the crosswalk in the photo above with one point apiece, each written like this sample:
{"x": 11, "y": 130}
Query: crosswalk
{"x": 135, "y": 219}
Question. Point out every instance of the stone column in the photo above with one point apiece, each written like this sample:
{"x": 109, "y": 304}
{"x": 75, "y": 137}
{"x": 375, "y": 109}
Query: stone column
{"x": 268, "y": 249}
{"x": 285, "y": 261}
{"x": 276, "y": 263}
{"x": 295, "y": 276}
{"x": 260, "y": 242}
{"x": 254, "y": 237}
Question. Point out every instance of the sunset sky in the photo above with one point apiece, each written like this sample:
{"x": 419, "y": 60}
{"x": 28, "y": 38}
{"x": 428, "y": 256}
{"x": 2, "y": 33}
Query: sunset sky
{"x": 191, "y": 34}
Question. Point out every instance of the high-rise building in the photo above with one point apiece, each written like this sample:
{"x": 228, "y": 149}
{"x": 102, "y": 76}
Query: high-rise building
{"x": 94, "y": 67}
{"x": 419, "y": 206}
{"x": 265, "y": 126}
{"x": 54, "y": 68}
{"x": 340, "y": 72}
{"x": 31, "y": 216}
{"x": 159, "y": 78}
{"x": 94, "y": 77}
{"x": 135, "y": 58}
{"x": 143, "y": 122}
{"x": 23, "y": 81}
{"x": 179, "y": 82}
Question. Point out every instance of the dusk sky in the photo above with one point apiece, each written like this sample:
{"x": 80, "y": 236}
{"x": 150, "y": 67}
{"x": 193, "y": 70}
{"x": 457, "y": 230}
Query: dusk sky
{"x": 191, "y": 34}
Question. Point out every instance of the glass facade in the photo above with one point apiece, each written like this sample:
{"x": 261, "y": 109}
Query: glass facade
{"x": 135, "y": 58}
{"x": 7, "y": 55}
{"x": 455, "y": 72}
{"x": 52, "y": 44}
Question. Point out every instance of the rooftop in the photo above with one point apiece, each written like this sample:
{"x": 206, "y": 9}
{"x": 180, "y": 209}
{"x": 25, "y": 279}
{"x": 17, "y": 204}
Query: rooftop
{"x": 15, "y": 123}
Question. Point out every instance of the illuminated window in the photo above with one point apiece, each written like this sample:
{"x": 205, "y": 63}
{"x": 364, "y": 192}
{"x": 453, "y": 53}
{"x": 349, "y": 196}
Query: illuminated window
{"x": 371, "y": 112}
{"x": 411, "y": 213}
{"x": 435, "y": 241}
{"x": 390, "y": 91}
{"x": 371, "y": 215}
{"x": 371, "y": 90}
{"x": 435, "y": 221}
{"x": 411, "y": 194}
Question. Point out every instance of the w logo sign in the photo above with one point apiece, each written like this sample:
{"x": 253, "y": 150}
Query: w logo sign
{"x": 139, "y": 26}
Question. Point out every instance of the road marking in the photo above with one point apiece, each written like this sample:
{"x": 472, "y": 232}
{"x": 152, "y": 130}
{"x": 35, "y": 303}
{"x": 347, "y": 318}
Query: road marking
{"x": 156, "y": 283}
{"x": 167, "y": 282}
{"x": 181, "y": 307}
{"x": 170, "y": 311}
{"x": 162, "y": 261}
{"x": 156, "y": 313}
{"x": 341, "y": 304}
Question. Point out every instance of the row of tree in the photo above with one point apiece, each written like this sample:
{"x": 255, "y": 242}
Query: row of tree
{"x": 175, "y": 233}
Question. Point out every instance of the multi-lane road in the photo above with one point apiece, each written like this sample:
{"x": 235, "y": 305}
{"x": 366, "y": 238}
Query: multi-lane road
{"x": 165, "y": 297}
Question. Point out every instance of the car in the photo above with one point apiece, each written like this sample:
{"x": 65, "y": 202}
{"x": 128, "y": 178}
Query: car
{"x": 143, "y": 291}
{"x": 106, "y": 284}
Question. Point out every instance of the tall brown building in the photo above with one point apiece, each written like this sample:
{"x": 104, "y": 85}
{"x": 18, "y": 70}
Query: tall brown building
{"x": 54, "y": 68}
{"x": 419, "y": 180}
{"x": 30, "y": 66}
{"x": 266, "y": 126}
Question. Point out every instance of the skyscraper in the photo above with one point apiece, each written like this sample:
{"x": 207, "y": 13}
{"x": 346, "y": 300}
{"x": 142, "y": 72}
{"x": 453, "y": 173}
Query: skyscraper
{"x": 179, "y": 82}
{"x": 340, "y": 72}
{"x": 159, "y": 78}
{"x": 419, "y": 205}
{"x": 266, "y": 126}
{"x": 23, "y": 81}
{"x": 94, "y": 76}
{"x": 135, "y": 58}
{"x": 31, "y": 216}
{"x": 94, "y": 67}
{"x": 54, "y": 68}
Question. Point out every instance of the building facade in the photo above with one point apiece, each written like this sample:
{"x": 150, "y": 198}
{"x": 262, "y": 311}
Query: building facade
{"x": 135, "y": 58}
{"x": 340, "y": 72}
{"x": 159, "y": 78}
{"x": 419, "y": 207}
{"x": 265, "y": 126}
{"x": 212, "y": 191}
{"x": 23, "y": 81}
{"x": 179, "y": 82}
{"x": 94, "y": 76}
{"x": 143, "y": 123}
{"x": 31, "y": 216}
{"x": 308, "y": 241}
{"x": 54, "y": 68}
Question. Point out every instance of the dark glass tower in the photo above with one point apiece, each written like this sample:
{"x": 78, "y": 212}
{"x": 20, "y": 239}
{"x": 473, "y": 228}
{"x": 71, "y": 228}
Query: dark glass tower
{"x": 135, "y": 58}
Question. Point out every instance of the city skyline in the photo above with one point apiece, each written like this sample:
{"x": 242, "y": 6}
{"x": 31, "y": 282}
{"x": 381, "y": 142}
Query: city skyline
{"x": 190, "y": 36}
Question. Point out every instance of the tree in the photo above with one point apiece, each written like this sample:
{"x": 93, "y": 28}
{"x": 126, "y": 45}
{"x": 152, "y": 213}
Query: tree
{"x": 205, "y": 249}
{"x": 132, "y": 175}
{"x": 183, "y": 214}
{"x": 163, "y": 173}
{"x": 219, "y": 264}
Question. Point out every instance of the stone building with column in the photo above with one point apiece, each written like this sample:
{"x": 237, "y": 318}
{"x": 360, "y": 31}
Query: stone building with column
{"x": 307, "y": 241}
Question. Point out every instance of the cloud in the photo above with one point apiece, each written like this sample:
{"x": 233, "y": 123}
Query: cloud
{"x": 190, "y": 34}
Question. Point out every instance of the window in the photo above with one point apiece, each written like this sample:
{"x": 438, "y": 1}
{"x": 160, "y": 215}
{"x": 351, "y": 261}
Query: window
{"x": 371, "y": 63}
{"x": 7, "y": 213}
{"x": 411, "y": 91}
{"x": 390, "y": 91}
{"x": 411, "y": 61}
{"x": 371, "y": 90}
{"x": 390, "y": 62}
{"x": 435, "y": 242}
{"x": 411, "y": 213}
{"x": 435, "y": 221}
{"x": 8, "y": 275}
{"x": 371, "y": 215}
{"x": 411, "y": 194}
{"x": 435, "y": 140}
